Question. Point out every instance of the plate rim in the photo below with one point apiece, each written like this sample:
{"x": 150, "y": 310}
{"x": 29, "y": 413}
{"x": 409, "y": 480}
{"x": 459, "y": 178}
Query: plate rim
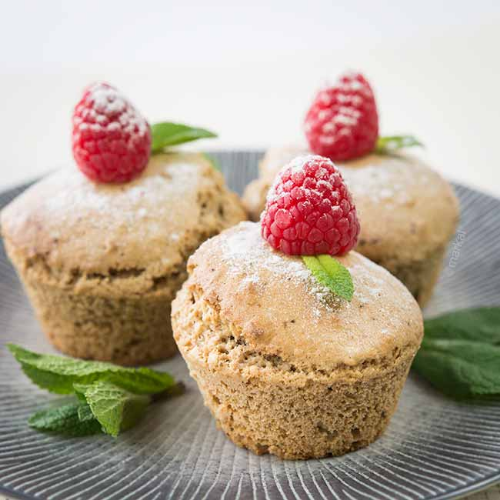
{"x": 458, "y": 492}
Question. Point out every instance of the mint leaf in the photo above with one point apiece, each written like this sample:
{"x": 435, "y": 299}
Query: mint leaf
{"x": 59, "y": 373}
{"x": 73, "y": 419}
{"x": 460, "y": 353}
{"x": 460, "y": 368}
{"x": 115, "y": 408}
{"x": 331, "y": 273}
{"x": 85, "y": 413}
{"x": 111, "y": 398}
{"x": 480, "y": 324}
{"x": 167, "y": 134}
{"x": 391, "y": 143}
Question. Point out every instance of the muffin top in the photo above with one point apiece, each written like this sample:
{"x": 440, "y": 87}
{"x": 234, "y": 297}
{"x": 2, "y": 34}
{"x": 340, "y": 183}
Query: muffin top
{"x": 406, "y": 209}
{"x": 279, "y": 308}
{"x": 148, "y": 225}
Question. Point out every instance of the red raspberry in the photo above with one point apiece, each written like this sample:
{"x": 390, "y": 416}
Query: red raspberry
{"x": 342, "y": 122}
{"x": 309, "y": 210}
{"x": 111, "y": 139}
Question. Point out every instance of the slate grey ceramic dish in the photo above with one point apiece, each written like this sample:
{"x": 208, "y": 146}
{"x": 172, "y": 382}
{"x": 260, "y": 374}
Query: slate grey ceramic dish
{"x": 434, "y": 447}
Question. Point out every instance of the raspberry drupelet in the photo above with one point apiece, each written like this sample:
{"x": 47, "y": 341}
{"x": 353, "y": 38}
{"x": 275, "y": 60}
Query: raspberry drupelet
{"x": 342, "y": 122}
{"x": 111, "y": 139}
{"x": 309, "y": 210}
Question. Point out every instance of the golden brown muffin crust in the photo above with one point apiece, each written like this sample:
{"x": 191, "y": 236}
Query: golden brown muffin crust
{"x": 102, "y": 263}
{"x": 284, "y": 367}
{"x": 407, "y": 210}
{"x": 145, "y": 229}
{"x": 282, "y": 310}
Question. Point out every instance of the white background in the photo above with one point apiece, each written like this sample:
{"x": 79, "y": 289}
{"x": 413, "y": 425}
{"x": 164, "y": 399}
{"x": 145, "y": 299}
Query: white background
{"x": 248, "y": 70}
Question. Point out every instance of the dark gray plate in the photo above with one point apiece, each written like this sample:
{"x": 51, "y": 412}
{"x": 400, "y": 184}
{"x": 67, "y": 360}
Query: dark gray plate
{"x": 434, "y": 447}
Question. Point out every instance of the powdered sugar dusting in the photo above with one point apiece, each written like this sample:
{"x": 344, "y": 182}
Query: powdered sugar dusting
{"x": 107, "y": 103}
{"x": 296, "y": 167}
{"x": 248, "y": 246}
{"x": 281, "y": 307}
{"x": 297, "y": 163}
{"x": 371, "y": 284}
{"x": 390, "y": 182}
{"x": 149, "y": 201}
{"x": 387, "y": 180}
{"x": 246, "y": 250}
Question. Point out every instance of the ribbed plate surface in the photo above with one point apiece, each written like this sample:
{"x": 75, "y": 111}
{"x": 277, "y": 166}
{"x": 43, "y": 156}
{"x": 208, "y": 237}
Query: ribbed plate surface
{"x": 434, "y": 448}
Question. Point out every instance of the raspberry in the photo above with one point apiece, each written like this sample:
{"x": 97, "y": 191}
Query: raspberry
{"x": 342, "y": 122}
{"x": 111, "y": 139}
{"x": 309, "y": 210}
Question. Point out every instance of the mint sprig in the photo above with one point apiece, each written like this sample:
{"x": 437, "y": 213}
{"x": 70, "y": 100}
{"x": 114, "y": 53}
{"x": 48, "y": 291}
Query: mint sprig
{"x": 331, "y": 273}
{"x": 167, "y": 134}
{"x": 59, "y": 373}
{"x": 113, "y": 407}
{"x": 72, "y": 419}
{"x": 391, "y": 143}
{"x": 460, "y": 353}
{"x": 111, "y": 398}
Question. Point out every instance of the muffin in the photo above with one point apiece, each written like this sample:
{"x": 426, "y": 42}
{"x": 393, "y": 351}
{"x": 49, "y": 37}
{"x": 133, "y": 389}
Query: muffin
{"x": 284, "y": 366}
{"x": 101, "y": 263}
{"x": 408, "y": 212}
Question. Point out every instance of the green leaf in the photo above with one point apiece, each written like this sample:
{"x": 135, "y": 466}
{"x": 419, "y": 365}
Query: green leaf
{"x": 73, "y": 419}
{"x": 460, "y": 368}
{"x": 85, "y": 413}
{"x": 59, "y": 373}
{"x": 478, "y": 325}
{"x": 115, "y": 408}
{"x": 391, "y": 143}
{"x": 460, "y": 353}
{"x": 331, "y": 273}
{"x": 166, "y": 134}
